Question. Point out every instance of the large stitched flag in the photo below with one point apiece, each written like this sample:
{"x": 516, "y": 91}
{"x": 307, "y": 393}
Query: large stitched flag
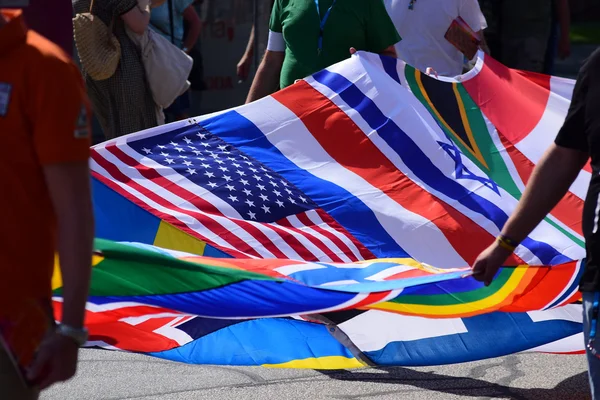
{"x": 367, "y": 160}
{"x": 291, "y": 313}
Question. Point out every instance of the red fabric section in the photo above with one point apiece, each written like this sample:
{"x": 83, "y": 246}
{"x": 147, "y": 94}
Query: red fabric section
{"x": 331, "y": 126}
{"x": 512, "y": 100}
{"x": 568, "y": 210}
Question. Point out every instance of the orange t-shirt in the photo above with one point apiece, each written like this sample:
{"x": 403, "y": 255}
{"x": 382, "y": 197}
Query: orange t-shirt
{"x": 43, "y": 121}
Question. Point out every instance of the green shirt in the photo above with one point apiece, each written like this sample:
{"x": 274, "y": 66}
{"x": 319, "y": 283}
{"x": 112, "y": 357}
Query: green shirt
{"x": 362, "y": 24}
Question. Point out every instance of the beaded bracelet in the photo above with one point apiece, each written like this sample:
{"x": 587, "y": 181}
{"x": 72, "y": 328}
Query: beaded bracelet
{"x": 507, "y": 243}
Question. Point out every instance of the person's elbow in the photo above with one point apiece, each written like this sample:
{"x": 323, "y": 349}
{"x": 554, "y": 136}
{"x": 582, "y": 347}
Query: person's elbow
{"x": 136, "y": 20}
{"x": 193, "y": 19}
{"x": 389, "y": 51}
{"x": 273, "y": 60}
{"x": 570, "y": 158}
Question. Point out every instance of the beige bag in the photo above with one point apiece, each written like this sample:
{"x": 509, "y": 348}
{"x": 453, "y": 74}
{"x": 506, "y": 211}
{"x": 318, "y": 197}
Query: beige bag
{"x": 98, "y": 48}
{"x": 167, "y": 67}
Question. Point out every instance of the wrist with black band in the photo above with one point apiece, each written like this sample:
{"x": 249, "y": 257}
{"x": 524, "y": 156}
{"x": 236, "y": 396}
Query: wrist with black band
{"x": 507, "y": 243}
{"x": 78, "y": 335}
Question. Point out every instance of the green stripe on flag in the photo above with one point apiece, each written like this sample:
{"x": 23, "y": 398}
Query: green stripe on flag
{"x": 458, "y": 297}
{"x": 498, "y": 170}
{"x": 131, "y": 271}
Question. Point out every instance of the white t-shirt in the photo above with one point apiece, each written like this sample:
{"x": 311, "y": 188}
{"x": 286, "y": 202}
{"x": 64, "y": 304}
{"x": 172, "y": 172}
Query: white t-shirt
{"x": 423, "y": 28}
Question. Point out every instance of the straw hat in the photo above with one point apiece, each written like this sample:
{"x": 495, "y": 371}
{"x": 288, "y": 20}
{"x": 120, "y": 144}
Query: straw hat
{"x": 99, "y": 50}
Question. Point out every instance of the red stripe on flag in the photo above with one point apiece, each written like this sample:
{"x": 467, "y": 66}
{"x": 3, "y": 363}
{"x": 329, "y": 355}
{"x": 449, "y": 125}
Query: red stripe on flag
{"x": 544, "y": 81}
{"x": 207, "y": 207}
{"x": 328, "y": 219}
{"x": 372, "y": 298}
{"x": 334, "y": 239}
{"x": 569, "y": 208}
{"x": 334, "y": 257}
{"x": 166, "y": 217}
{"x": 413, "y": 273}
{"x": 111, "y": 328}
{"x": 210, "y": 224}
{"x": 331, "y": 126}
{"x": 512, "y": 102}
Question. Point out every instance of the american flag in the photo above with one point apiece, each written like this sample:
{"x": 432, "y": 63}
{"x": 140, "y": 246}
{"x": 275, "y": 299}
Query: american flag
{"x": 212, "y": 190}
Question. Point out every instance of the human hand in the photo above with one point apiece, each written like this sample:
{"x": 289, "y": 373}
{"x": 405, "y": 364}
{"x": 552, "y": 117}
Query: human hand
{"x": 564, "y": 47}
{"x": 55, "y": 361}
{"x": 243, "y": 67}
{"x": 431, "y": 71}
{"x": 489, "y": 262}
{"x": 144, "y": 5}
{"x": 352, "y": 50}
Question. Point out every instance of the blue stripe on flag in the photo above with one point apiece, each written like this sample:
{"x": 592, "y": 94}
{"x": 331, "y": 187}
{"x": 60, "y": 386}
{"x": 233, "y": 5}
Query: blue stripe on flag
{"x": 345, "y": 208}
{"x": 258, "y": 342}
{"x": 418, "y": 162}
{"x": 390, "y": 66}
{"x": 235, "y": 300}
{"x": 396, "y": 284}
{"x": 332, "y": 273}
{"x": 490, "y": 335}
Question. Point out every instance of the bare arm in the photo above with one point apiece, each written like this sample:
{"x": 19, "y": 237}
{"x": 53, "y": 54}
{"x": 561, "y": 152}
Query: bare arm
{"x": 266, "y": 81}
{"x": 390, "y": 51}
{"x": 195, "y": 27}
{"x": 250, "y": 46}
{"x": 243, "y": 66}
{"x": 550, "y": 181}
{"x": 137, "y": 20}
{"x": 69, "y": 187}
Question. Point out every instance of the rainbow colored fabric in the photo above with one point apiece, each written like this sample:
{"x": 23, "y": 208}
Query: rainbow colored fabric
{"x": 148, "y": 299}
{"x": 309, "y": 209}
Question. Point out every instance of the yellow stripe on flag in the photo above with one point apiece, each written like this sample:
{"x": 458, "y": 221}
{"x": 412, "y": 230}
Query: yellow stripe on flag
{"x": 169, "y": 237}
{"x": 457, "y": 309}
{"x": 475, "y": 151}
{"x": 330, "y": 362}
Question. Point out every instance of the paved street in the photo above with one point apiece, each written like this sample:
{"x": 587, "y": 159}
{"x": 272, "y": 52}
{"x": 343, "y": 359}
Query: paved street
{"x": 112, "y": 375}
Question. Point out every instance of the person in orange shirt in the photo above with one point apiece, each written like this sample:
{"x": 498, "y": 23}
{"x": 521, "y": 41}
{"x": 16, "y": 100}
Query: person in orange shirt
{"x": 46, "y": 204}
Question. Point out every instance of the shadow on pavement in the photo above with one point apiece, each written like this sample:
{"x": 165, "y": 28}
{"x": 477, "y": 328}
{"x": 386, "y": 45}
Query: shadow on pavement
{"x": 573, "y": 388}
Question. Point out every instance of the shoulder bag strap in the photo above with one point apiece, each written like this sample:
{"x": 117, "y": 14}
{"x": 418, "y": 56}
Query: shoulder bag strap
{"x": 171, "y": 21}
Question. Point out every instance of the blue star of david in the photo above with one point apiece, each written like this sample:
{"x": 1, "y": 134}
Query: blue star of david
{"x": 461, "y": 171}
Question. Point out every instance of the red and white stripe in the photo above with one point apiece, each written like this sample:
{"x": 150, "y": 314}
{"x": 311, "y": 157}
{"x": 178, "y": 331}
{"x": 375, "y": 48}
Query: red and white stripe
{"x": 311, "y": 236}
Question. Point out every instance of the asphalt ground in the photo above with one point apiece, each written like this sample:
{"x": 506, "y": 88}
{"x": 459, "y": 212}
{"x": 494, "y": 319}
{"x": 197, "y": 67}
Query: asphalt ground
{"x": 112, "y": 375}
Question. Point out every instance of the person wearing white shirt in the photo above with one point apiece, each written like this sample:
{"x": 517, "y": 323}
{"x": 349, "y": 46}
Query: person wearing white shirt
{"x": 422, "y": 25}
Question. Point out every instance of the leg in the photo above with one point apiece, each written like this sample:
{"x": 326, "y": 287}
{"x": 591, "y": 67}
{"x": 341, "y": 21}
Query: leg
{"x": 525, "y": 32}
{"x": 11, "y": 384}
{"x": 593, "y": 361}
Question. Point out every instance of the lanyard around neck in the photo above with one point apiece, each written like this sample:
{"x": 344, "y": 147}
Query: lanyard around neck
{"x": 322, "y": 22}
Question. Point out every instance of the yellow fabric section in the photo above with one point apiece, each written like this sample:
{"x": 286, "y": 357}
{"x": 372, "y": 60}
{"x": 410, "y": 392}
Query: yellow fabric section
{"x": 410, "y": 262}
{"x": 169, "y": 237}
{"x": 456, "y": 310}
{"x": 331, "y": 362}
{"x": 57, "y": 277}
